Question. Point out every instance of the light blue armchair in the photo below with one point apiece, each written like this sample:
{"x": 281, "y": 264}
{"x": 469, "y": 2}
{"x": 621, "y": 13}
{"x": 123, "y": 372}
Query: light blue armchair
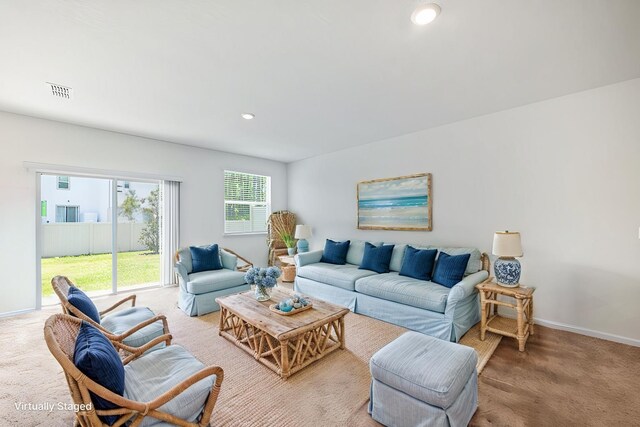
{"x": 198, "y": 291}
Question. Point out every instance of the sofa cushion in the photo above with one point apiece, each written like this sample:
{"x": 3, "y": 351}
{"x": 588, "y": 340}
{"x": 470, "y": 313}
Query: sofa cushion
{"x": 418, "y": 263}
{"x": 184, "y": 256}
{"x": 356, "y": 251}
{"x": 335, "y": 252}
{"x": 450, "y": 269}
{"x": 341, "y": 276}
{"x": 123, "y": 320}
{"x": 205, "y": 259}
{"x": 376, "y": 258}
{"x": 429, "y": 369}
{"x": 475, "y": 260}
{"x": 214, "y": 280}
{"x": 95, "y": 356}
{"x": 398, "y": 255}
{"x": 82, "y": 302}
{"x": 149, "y": 376}
{"x": 405, "y": 290}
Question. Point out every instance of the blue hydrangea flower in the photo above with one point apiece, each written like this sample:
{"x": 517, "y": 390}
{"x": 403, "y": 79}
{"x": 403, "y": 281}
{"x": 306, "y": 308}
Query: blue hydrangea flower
{"x": 269, "y": 282}
{"x": 273, "y": 272}
{"x": 250, "y": 275}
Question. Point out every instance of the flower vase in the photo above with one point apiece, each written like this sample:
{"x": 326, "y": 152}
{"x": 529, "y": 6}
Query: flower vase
{"x": 261, "y": 293}
{"x": 291, "y": 251}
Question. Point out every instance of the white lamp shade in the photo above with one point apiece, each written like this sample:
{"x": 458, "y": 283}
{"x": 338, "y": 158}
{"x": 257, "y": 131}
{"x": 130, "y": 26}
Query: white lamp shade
{"x": 507, "y": 243}
{"x": 303, "y": 231}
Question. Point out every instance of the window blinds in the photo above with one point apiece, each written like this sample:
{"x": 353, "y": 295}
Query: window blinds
{"x": 246, "y": 202}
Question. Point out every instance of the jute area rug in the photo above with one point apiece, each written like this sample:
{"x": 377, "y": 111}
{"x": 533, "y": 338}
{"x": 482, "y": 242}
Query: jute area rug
{"x": 333, "y": 391}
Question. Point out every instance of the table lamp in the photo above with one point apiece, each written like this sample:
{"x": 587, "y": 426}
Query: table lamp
{"x": 507, "y": 245}
{"x": 303, "y": 232}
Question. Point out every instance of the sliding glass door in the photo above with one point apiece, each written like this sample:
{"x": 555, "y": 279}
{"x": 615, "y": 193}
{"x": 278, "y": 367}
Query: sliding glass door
{"x": 101, "y": 233}
{"x": 138, "y": 260}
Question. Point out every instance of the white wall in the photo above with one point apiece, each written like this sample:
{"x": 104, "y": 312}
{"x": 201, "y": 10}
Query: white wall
{"x": 564, "y": 172}
{"x": 27, "y": 139}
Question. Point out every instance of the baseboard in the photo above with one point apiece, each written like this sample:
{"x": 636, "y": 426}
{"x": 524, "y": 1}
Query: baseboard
{"x": 587, "y": 332}
{"x": 575, "y": 329}
{"x": 17, "y": 312}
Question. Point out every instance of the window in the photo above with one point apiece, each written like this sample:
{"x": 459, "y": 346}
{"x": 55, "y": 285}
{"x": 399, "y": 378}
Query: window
{"x": 63, "y": 183}
{"x": 67, "y": 214}
{"x": 126, "y": 184}
{"x": 247, "y": 202}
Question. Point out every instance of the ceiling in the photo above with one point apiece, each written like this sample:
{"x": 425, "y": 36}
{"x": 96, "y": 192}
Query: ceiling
{"x": 320, "y": 76}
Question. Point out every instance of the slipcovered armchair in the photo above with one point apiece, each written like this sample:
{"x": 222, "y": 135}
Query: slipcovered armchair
{"x": 168, "y": 386}
{"x": 133, "y": 326}
{"x": 199, "y": 290}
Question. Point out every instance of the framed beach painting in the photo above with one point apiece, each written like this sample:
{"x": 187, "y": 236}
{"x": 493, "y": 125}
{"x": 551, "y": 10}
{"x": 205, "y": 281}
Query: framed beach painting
{"x": 402, "y": 203}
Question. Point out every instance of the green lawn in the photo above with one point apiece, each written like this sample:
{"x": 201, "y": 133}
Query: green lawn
{"x": 93, "y": 272}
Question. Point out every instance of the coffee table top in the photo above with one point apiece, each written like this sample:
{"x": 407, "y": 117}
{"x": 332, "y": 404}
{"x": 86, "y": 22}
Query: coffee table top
{"x": 257, "y": 313}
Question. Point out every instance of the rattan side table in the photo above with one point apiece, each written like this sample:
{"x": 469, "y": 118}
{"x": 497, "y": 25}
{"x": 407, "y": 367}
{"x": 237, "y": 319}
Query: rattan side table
{"x": 519, "y": 328}
{"x": 289, "y": 268}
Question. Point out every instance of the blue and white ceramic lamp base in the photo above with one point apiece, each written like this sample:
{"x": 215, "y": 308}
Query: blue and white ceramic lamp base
{"x": 303, "y": 246}
{"x": 507, "y": 272}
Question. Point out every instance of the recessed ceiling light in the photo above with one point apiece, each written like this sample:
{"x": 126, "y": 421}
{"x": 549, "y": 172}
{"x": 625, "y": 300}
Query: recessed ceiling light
{"x": 247, "y": 116}
{"x": 425, "y": 14}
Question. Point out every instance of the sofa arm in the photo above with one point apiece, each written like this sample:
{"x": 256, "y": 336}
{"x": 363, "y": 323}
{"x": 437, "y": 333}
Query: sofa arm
{"x": 466, "y": 287}
{"x": 183, "y": 276}
{"x": 308, "y": 258}
{"x": 229, "y": 261}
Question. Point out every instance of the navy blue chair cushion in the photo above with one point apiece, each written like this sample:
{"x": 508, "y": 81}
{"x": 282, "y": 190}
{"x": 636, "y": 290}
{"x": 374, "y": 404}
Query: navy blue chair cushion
{"x": 450, "y": 269}
{"x": 82, "y": 302}
{"x": 205, "y": 259}
{"x": 95, "y": 356}
{"x": 418, "y": 263}
{"x": 335, "y": 252}
{"x": 376, "y": 258}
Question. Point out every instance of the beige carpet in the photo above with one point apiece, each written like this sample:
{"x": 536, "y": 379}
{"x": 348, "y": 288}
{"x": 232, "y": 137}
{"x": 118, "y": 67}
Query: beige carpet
{"x": 332, "y": 391}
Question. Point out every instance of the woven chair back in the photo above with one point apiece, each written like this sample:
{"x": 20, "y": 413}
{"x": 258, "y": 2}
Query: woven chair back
{"x": 60, "y": 333}
{"x": 61, "y": 285}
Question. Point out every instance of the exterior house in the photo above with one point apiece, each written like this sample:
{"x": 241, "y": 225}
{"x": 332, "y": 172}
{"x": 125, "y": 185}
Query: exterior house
{"x": 81, "y": 199}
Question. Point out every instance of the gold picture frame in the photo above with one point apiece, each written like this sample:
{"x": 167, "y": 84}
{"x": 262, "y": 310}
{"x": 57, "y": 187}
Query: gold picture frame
{"x": 400, "y": 203}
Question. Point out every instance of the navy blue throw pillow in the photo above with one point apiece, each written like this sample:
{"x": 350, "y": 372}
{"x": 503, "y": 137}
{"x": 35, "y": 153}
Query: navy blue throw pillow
{"x": 450, "y": 269}
{"x": 205, "y": 259}
{"x": 82, "y": 302}
{"x": 418, "y": 263}
{"x": 376, "y": 258}
{"x": 95, "y": 356}
{"x": 335, "y": 252}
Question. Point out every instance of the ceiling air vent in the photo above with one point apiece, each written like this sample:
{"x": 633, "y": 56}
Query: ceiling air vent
{"x": 60, "y": 91}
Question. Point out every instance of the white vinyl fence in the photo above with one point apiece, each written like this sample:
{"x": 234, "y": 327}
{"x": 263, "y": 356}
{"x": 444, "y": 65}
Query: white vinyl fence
{"x": 86, "y": 238}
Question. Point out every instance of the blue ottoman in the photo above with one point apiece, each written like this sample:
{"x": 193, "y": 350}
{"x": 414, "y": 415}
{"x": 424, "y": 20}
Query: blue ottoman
{"x": 418, "y": 380}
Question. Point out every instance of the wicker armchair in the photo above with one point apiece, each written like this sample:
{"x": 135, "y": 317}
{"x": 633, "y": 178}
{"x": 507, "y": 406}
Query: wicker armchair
{"x": 61, "y": 331}
{"x": 275, "y": 243}
{"x": 123, "y": 326}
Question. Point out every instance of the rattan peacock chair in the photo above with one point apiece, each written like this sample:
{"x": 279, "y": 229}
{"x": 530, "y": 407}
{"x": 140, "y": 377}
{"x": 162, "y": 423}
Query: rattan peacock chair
{"x": 279, "y": 222}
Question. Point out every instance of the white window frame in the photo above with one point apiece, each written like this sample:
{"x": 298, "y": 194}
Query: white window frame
{"x": 68, "y": 182}
{"x": 242, "y": 202}
{"x": 65, "y": 213}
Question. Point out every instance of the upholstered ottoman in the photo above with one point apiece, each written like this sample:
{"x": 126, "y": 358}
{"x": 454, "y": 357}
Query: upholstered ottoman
{"x": 418, "y": 380}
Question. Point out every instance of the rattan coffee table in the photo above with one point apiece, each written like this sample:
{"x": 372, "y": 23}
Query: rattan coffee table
{"x": 285, "y": 344}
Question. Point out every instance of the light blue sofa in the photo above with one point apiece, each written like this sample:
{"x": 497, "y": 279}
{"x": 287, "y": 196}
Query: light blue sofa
{"x": 427, "y": 307}
{"x": 198, "y": 291}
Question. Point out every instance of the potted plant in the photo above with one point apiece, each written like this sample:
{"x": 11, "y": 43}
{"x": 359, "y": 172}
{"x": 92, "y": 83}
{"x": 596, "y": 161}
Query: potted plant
{"x": 290, "y": 242}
